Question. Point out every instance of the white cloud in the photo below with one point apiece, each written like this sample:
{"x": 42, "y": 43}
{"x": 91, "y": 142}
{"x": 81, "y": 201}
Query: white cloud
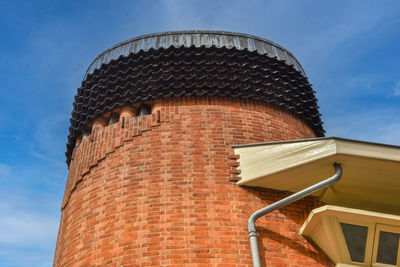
{"x": 373, "y": 124}
{"x": 27, "y": 217}
{"x": 19, "y": 256}
{"x": 5, "y": 171}
{"x": 28, "y": 231}
{"x": 26, "y": 228}
{"x": 184, "y": 15}
{"x": 396, "y": 90}
{"x": 49, "y": 137}
{"x": 390, "y": 134}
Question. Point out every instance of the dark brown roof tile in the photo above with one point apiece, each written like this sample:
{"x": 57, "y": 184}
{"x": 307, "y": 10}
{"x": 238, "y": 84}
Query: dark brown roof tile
{"x": 193, "y": 71}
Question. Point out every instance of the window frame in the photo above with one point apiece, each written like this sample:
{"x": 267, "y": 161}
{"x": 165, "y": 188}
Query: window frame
{"x": 323, "y": 227}
{"x": 385, "y": 228}
{"x": 369, "y": 242}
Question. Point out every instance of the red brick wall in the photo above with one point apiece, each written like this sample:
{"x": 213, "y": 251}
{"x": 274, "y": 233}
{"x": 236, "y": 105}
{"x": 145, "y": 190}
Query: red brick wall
{"x": 158, "y": 190}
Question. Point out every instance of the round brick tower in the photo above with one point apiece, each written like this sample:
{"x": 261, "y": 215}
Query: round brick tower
{"x": 152, "y": 175}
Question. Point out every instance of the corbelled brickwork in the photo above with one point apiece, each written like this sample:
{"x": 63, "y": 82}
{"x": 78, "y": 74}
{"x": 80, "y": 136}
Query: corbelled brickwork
{"x": 205, "y": 71}
{"x": 159, "y": 190}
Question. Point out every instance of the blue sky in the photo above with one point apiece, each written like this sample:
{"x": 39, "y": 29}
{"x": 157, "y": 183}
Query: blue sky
{"x": 349, "y": 50}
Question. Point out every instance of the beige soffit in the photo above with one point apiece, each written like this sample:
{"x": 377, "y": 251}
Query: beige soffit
{"x": 323, "y": 228}
{"x": 371, "y": 171}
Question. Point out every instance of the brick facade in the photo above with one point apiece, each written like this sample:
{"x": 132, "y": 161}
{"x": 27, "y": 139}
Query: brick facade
{"x": 159, "y": 190}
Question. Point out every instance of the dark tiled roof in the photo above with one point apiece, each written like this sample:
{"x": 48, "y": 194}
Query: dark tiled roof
{"x": 187, "y": 39}
{"x": 194, "y": 71}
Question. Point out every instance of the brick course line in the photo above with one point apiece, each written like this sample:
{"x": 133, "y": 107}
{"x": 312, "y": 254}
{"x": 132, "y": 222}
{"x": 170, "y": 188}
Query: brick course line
{"x": 167, "y": 196}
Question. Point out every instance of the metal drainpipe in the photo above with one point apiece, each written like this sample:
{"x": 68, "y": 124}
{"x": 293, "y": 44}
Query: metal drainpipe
{"x": 281, "y": 203}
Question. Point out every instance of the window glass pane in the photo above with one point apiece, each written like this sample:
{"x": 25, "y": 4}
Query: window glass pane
{"x": 387, "y": 248}
{"x": 356, "y": 240}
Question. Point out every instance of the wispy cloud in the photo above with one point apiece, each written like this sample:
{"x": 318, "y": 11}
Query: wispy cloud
{"x": 5, "y": 171}
{"x": 49, "y": 136}
{"x": 50, "y": 44}
{"x": 373, "y": 124}
{"x": 26, "y": 229}
{"x": 186, "y": 15}
{"x": 396, "y": 89}
{"x": 24, "y": 256}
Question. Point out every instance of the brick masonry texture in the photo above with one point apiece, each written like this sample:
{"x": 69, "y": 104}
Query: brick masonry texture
{"x": 203, "y": 71}
{"x": 159, "y": 190}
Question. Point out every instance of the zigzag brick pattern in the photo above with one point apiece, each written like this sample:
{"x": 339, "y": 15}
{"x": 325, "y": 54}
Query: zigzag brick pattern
{"x": 103, "y": 142}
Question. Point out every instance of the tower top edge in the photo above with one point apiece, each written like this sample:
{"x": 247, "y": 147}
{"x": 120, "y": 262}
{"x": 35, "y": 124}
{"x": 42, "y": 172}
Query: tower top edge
{"x": 196, "y": 38}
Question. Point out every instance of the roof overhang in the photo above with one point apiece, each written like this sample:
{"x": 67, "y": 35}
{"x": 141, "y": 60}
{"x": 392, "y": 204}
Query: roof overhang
{"x": 371, "y": 171}
{"x": 323, "y": 227}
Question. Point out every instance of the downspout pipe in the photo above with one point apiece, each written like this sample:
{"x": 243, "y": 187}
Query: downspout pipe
{"x": 284, "y": 202}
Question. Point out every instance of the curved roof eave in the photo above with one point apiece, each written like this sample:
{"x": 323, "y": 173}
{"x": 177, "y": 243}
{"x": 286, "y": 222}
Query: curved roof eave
{"x": 218, "y": 39}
